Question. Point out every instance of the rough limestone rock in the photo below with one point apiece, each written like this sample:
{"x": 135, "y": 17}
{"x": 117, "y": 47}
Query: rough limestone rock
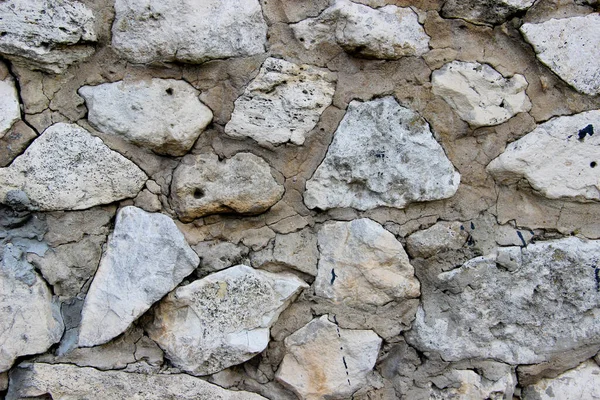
{"x": 569, "y": 47}
{"x": 388, "y": 32}
{"x": 217, "y": 255}
{"x": 30, "y": 320}
{"x": 362, "y": 263}
{"x": 203, "y": 185}
{"x": 163, "y": 115}
{"x": 297, "y": 250}
{"x": 146, "y": 257}
{"x": 582, "y": 382}
{"x": 441, "y": 237}
{"x": 560, "y": 158}
{"x": 46, "y": 34}
{"x": 471, "y": 385}
{"x": 66, "y": 168}
{"x": 547, "y": 302}
{"x": 479, "y": 94}
{"x": 282, "y": 104}
{"x": 10, "y": 112}
{"x": 63, "y": 381}
{"x": 223, "y": 319}
{"x": 188, "y": 31}
{"x": 325, "y": 361}
{"x": 382, "y": 154}
{"x": 484, "y": 12}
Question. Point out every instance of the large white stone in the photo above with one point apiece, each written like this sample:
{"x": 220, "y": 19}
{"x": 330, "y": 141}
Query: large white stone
{"x": 223, "y": 319}
{"x": 66, "y": 168}
{"x": 382, "y": 154}
{"x": 388, "y": 32}
{"x": 282, "y": 104}
{"x": 560, "y": 158}
{"x": 191, "y": 31}
{"x": 163, "y": 115}
{"x": 484, "y": 12}
{"x": 323, "y": 361}
{"x": 10, "y": 112}
{"x": 146, "y": 257}
{"x": 362, "y": 263}
{"x": 479, "y": 94}
{"x": 569, "y": 47}
{"x": 579, "y": 383}
{"x": 522, "y": 306}
{"x": 46, "y": 34}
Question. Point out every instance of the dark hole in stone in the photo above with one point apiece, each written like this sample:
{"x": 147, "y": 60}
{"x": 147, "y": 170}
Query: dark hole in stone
{"x": 301, "y": 39}
{"x": 3, "y": 34}
{"x": 198, "y": 193}
{"x": 593, "y": 164}
{"x": 588, "y": 130}
{"x": 502, "y": 104}
{"x": 169, "y": 91}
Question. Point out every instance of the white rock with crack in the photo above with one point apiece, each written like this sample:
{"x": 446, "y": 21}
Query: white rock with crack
{"x": 10, "y": 111}
{"x": 582, "y": 382}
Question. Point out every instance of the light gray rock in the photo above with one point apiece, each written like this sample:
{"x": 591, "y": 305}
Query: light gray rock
{"x": 382, "y": 154}
{"x": 223, "y": 319}
{"x": 388, "y": 32}
{"x": 282, "y": 104}
{"x": 569, "y": 47}
{"x": 163, "y": 115}
{"x": 216, "y": 255}
{"x": 441, "y": 237}
{"x": 190, "y": 31}
{"x": 64, "y": 382}
{"x": 297, "y": 250}
{"x": 479, "y": 94}
{"x": 66, "y": 168}
{"x": 484, "y": 12}
{"x": 473, "y": 386}
{"x": 203, "y": 185}
{"x": 560, "y": 158}
{"x": 3, "y": 381}
{"x": 547, "y": 304}
{"x": 146, "y": 257}
{"x": 46, "y": 34}
{"x": 325, "y": 361}
{"x": 362, "y": 263}
{"x": 582, "y": 382}
{"x": 10, "y": 111}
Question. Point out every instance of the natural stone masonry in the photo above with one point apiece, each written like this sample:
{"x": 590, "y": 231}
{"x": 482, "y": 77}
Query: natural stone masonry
{"x": 479, "y": 94}
{"x": 46, "y": 34}
{"x": 10, "y": 112}
{"x": 163, "y": 115}
{"x": 484, "y": 12}
{"x": 204, "y": 185}
{"x": 193, "y": 32}
{"x": 324, "y": 361}
{"x": 441, "y": 237}
{"x": 388, "y": 32}
{"x": 146, "y": 257}
{"x": 569, "y": 47}
{"x": 473, "y": 386}
{"x": 282, "y": 104}
{"x": 66, "y": 168}
{"x": 559, "y": 158}
{"x": 520, "y": 308}
{"x": 582, "y": 382}
{"x": 382, "y": 154}
{"x": 223, "y": 319}
{"x": 297, "y": 250}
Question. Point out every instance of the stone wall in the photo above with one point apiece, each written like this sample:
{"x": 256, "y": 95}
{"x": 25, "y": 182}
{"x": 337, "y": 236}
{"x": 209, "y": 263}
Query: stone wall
{"x": 281, "y": 199}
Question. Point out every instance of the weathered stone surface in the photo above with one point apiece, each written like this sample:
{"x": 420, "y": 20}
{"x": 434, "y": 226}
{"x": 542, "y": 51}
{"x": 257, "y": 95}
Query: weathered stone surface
{"x": 192, "y": 32}
{"x": 146, "y": 257}
{"x": 223, "y": 319}
{"x": 362, "y": 263}
{"x": 10, "y": 112}
{"x": 479, "y": 94}
{"x": 217, "y": 255}
{"x": 63, "y": 381}
{"x": 324, "y": 361}
{"x": 568, "y": 47}
{"x": 582, "y": 382}
{"x": 203, "y": 185}
{"x": 548, "y": 303}
{"x": 440, "y": 237}
{"x": 297, "y": 250}
{"x": 388, "y": 32}
{"x": 163, "y": 115}
{"x": 560, "y": 158}
{"x": 48, "y": 34}
{"x": 484, "y": 12}
{"x": 3, "y": 381}
{"x": 472, "y": 386}
{"x": 66, "y": 168}
{"x": 382, "y": 154}
{"x": 15, "y": 141}
{"x": 282, "y": 104}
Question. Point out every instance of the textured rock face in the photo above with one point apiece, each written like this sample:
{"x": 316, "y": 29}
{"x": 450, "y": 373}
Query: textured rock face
{"x": 473, "y": 386}
{"x": 223, "y": 319}
{"x": 582, "y": 382}
{"x": 297, "y": 250}
{"x": 189, "y": 31}
{"x": 63, "y": 381}
{"x": 440, "y": 237}
{"x": 146, "y": 258}
{"x": 382, "y": 154}
{"x": 282, "y": 104}
{"x": 325, "y": 361}
{"x": 544, "y": 302}
{"x": 484, "y": 12}
{"x": 362, "y": 263}
{"x": 203, "y": 185}
{"x": 479, "y": 94}
{"x": 163, "y": 115}
{"x": 559, "y": 158}
{"x": 66, "y": 168}
{"x": 47, "y": 34}
{"x": 388, "y": 32}
{"x": 568, "y": 47}
{"x": 10, "y": 111}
